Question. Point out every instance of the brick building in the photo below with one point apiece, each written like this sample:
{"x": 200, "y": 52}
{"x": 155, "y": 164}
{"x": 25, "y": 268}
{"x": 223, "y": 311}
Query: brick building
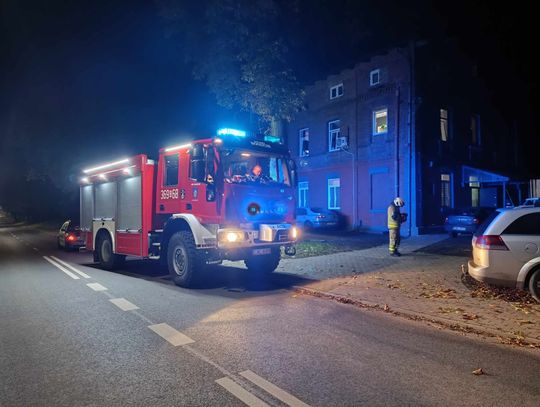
{"x": 416, "y": 122}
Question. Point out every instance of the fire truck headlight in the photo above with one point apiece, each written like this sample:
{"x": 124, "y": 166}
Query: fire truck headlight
{"x": 231, "y": 236}
{"x": 294, "y": 233}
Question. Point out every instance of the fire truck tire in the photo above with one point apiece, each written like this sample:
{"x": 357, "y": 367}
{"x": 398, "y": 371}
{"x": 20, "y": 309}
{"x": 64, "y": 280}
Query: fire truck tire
{"x": 183, "y": 261}
{"x": 265, "y": 264}
{"x": 107, "y": 259}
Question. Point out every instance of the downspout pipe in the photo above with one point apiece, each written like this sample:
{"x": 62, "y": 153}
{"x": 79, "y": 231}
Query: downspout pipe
{"x": 396, "y": 152}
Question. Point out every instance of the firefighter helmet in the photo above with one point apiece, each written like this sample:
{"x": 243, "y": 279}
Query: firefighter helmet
{"x": 399, "y": 202}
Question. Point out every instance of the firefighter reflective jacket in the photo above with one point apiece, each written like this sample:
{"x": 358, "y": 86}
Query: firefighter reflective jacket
{"x": 394, "y": 217}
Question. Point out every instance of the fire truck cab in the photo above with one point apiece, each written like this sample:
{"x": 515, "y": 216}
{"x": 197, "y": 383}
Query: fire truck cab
{"x": 228, "y": 197}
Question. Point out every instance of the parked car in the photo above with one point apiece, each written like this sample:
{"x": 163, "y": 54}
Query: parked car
{"x": 69, "y": 236}
{"x": 466, "y": 220}
{"x": 531, "y": 202}
{"x": 316, "y": 218}
{"x": 506, "y": 250}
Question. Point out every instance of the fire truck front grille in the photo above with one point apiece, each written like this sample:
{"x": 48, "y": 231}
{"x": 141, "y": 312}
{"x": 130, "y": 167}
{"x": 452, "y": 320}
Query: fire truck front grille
{"x": 282, "y": 236}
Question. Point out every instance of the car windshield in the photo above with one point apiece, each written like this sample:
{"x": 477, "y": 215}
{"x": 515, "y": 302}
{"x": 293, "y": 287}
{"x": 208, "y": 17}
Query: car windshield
{"x": 242, "y": 166}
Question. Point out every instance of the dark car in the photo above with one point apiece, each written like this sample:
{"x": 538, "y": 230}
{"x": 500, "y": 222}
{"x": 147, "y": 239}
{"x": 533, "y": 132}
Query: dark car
{"x": 466, "y": 220}
{"x": 316, "y": 218}
{"x": 69, "y": 236}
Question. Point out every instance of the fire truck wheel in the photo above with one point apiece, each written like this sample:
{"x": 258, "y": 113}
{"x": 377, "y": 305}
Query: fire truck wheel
{"x": 264, "y": 264}
{"x": 182, "y": 259}
{"x": 107, "y": 259}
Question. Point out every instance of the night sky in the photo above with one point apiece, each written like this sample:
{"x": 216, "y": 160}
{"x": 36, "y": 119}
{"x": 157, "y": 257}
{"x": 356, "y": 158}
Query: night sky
{"x": 99, "y": 80}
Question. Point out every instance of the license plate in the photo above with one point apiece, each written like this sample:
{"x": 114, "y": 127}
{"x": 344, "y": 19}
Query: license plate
{"x": 258, "y": 252}
{"x": 458, "y": 228}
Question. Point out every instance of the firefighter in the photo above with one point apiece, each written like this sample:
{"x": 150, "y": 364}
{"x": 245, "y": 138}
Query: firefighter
{"x": 395, "y": 219}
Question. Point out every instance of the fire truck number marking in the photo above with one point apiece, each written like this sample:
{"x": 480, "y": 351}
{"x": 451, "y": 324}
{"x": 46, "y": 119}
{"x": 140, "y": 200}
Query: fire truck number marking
{"x": 169, "y": 193}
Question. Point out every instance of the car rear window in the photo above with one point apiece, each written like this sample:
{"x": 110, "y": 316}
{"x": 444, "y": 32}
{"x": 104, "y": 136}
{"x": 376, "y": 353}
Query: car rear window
{"x": 483, "y": 226}
{"x": 528, "y": 224}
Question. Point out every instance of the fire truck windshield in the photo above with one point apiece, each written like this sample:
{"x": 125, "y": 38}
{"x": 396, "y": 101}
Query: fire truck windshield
{"x": 255, "y": 167}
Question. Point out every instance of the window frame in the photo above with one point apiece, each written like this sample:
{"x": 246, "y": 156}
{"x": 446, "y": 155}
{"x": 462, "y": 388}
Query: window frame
{"x": 446, "y": 122}
{"x": 450, "y": 190}
{"x": 303, "y": 186}
{"x": 334, "y": 192}
{"x": 165, "y": 180}
{"x": 374, "y": 121}
{"x": 301, "y": 151}
{"x": 332, "y": 132}
{"x": 372, "y": 74}
{"x": 337, "y": 88}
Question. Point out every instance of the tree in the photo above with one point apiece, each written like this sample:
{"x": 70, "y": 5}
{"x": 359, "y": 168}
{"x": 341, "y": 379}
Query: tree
{"x": 235, "y": 47}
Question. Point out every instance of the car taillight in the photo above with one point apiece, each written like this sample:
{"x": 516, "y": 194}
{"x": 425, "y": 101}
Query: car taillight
{"x": 490, "y": 242}
{"x": 71, "y": 238}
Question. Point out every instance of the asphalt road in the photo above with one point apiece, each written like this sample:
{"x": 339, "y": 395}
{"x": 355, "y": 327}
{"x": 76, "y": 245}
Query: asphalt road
{"x": 232, "y": 341}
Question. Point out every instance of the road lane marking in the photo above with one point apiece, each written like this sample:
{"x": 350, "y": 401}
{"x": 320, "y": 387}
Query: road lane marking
{"x": 274, "y": 390}
{"x": 171, "y": 335}
{"x": 36, "y": 249}
{"x": 58, "y": 266}
{"x": 96, "y": 287}
{"x": 240, "y": 393}
{"x": 69, "y": 266}
{"x": 123, "y": 304}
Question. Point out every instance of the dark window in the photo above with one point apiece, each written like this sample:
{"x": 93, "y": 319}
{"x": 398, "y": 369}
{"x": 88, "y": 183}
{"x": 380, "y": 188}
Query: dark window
{"x": 484, "y": 225}
{"x": 526, "y": 225}
{"x": 171, "y": 170}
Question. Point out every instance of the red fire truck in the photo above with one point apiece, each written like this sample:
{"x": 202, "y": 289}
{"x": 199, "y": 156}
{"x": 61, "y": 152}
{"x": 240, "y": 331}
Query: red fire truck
{"x": 228, "y": 197}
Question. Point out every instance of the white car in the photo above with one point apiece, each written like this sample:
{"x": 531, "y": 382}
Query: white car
{"x": 316, "y": 218}
{"x": 506, "y": 249}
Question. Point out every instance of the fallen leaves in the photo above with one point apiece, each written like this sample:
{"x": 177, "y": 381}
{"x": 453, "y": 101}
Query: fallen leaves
{"x": 470, "y": 317}
{"x": 447, "y": 293}
{"x": 450, "y": 310}
{"x": 478, "y": 372}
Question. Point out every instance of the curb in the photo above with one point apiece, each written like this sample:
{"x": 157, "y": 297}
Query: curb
{"x": 418, "y": 316}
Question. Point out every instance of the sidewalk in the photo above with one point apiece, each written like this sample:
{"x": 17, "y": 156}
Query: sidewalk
{"x": 421, "y": 286}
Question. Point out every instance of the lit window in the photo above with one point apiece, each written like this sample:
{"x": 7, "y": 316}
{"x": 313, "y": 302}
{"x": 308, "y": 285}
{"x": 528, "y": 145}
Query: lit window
{"x": 444, "y": 125}
{"x": 334, "y": 133}
{"x": 474, "y": 184}
{"x": 304, "y": 142}
{"x": 380, "y": 121}
{"x": 303, "y": 189}
{"x": 333, "y": 193}
{"x": 336, "y": 91}
{"x": 375, "y": 77}
{"x": 446, "y": 191}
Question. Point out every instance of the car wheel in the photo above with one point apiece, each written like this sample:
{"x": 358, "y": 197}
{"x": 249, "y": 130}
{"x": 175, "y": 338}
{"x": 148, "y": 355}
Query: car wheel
{"x": 534, "y": 284}
{"x": 264, "y": 264}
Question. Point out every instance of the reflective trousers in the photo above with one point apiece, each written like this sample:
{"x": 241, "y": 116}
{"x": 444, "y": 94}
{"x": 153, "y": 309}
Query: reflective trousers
{"x": 394, "y": 239}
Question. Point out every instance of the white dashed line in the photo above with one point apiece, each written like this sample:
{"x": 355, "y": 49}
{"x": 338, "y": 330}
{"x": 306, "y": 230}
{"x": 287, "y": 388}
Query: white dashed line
{"x": 71, "y": 267}
{"x": 274, "y": 390}
{"x": 123, "y": 304}
{"x": 240, "y": 393}
{"x": 35, "y": 249}
{"x": 58, "y": 266}
{"x": 96, "y": 287}
{"x": 171, "y": 335}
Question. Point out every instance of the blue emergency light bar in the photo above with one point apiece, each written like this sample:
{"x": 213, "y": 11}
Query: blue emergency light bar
{"x": 231, "y": 132}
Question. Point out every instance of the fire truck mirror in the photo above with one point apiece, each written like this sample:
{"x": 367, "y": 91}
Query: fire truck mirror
{"x": 210, "y": 162}
{"x": 197, "y": 165}
{"x": 292, "y": 169}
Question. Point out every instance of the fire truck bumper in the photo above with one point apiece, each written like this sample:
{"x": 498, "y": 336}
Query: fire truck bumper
{"x": 282, "y": 234}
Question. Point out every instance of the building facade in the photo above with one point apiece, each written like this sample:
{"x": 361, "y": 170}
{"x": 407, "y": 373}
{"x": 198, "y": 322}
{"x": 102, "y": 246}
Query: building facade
{"x": 404, "y": 123}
